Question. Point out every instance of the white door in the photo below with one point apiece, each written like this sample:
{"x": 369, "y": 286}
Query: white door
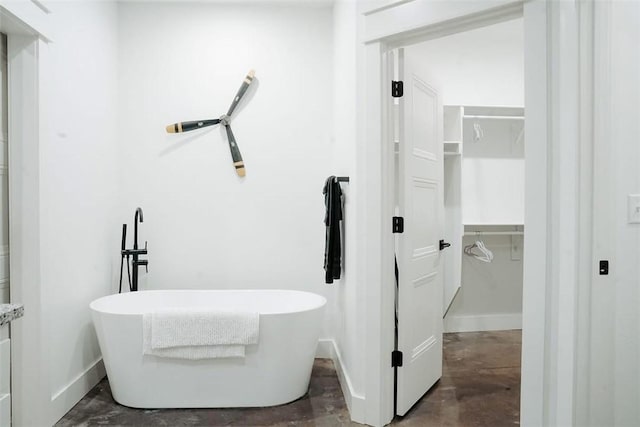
{"x": 419, "y": 262}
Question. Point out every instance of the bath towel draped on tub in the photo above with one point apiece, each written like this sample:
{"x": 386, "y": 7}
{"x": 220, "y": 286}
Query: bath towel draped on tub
{"x": 182, "y": 334}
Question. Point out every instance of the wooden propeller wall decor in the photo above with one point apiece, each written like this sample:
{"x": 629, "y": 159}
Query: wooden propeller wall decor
{"x": 225, "y": 120}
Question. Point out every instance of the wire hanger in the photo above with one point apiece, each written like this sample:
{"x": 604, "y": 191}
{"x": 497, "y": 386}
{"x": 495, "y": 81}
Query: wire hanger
{"x": 485, "y": 256}
{"x": 478, "y": 133}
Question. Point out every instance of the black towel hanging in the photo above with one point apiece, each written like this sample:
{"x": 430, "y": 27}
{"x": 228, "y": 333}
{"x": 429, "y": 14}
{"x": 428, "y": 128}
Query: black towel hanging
{"x": 333, "y": 215}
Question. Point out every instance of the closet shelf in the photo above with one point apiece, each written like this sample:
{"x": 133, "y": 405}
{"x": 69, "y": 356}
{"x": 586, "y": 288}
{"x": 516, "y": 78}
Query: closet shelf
{"x": 493, "y": 224}
{"x": 494, "y": 117}
{"x": 494, "y": 229}
{"x": 493, "y": 112}
{"x": 494, "y": 233}
{"x": 452, "y": 148}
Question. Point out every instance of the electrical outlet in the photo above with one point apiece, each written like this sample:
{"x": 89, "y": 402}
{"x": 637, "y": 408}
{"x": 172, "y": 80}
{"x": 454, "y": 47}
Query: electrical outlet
{"x": 516, "y": 248}
{"x": 634, "y": 208}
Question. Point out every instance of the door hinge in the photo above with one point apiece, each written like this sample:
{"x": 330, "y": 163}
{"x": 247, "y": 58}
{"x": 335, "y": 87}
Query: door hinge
{"x": 397, "y": 89}
{"x": 398, "y": 224}
{"x": 396, "y": 358}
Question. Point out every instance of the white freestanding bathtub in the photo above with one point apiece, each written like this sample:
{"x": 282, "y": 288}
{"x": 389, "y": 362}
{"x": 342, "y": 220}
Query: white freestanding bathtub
{"x": 275, "y": 371}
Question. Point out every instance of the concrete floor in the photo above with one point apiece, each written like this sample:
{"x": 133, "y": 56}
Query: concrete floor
{"x": 480, "y": 386}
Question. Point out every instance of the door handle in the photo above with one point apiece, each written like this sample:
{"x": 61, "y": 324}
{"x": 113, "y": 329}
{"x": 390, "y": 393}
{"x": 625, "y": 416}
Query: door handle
{"x": 444, "y": 244}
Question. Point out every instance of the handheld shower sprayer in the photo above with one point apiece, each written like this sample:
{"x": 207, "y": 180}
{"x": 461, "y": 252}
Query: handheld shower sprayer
{"x": 134, "y": 253}
{"x": 124, "y": 237}
{"x": 122, "y": 256}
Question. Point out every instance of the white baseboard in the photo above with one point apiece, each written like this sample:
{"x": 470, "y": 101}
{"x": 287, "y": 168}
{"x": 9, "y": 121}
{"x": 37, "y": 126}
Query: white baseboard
{"x": 66, "y": 398}
{"x": 327, "y": 349}
{"x": 483, "y": 322}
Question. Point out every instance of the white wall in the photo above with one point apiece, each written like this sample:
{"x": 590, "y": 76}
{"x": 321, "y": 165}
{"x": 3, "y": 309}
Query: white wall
{"x": 614, "y": 320}
{"x": 79, "y": 189}
{"x": 479, "y": 67}
{"x": 207, "y": 228}
{"x": 625, "y": 99}
{"x": 348, "y": 313}
{"x": 493, "y": 173}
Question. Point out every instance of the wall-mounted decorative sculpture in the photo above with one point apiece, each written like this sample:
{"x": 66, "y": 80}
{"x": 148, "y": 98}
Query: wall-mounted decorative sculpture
{"x": 225, "y": 120}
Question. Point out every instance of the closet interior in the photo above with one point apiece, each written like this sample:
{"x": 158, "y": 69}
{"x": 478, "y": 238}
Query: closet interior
{"x": 480, "y": 77}
{"x": 484, "y": 217}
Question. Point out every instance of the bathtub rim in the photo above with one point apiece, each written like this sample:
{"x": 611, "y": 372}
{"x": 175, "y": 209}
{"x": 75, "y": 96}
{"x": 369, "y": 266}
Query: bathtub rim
{"x": 107, "y": 308}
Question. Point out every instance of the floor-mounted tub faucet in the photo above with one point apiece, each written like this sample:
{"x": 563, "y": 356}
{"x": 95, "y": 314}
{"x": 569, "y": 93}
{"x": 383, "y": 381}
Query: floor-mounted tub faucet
{"x": 134, "y": 253}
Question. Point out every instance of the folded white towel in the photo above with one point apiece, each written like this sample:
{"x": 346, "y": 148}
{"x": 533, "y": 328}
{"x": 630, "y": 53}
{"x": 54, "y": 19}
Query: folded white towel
{"x": 199, "y": 335}
{"x": 187, "y": 352}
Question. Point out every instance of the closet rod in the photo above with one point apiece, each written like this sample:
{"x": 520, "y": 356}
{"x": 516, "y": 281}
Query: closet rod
{"x": 494, "y": 117}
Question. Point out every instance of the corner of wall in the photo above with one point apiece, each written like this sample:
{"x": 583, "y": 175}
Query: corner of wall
{"x": 67, "y": 397}
{"x": 327, "y": 349}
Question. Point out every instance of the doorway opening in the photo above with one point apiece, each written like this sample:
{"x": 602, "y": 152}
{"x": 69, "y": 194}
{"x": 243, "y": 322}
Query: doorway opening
{"x": 459, "y": 168}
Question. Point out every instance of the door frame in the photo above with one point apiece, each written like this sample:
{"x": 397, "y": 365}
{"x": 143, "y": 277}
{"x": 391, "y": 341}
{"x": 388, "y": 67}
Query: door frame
{"x": 557, "y": 229}
{"x": 29, "y": 376}
{"x": 27, "y": 28}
